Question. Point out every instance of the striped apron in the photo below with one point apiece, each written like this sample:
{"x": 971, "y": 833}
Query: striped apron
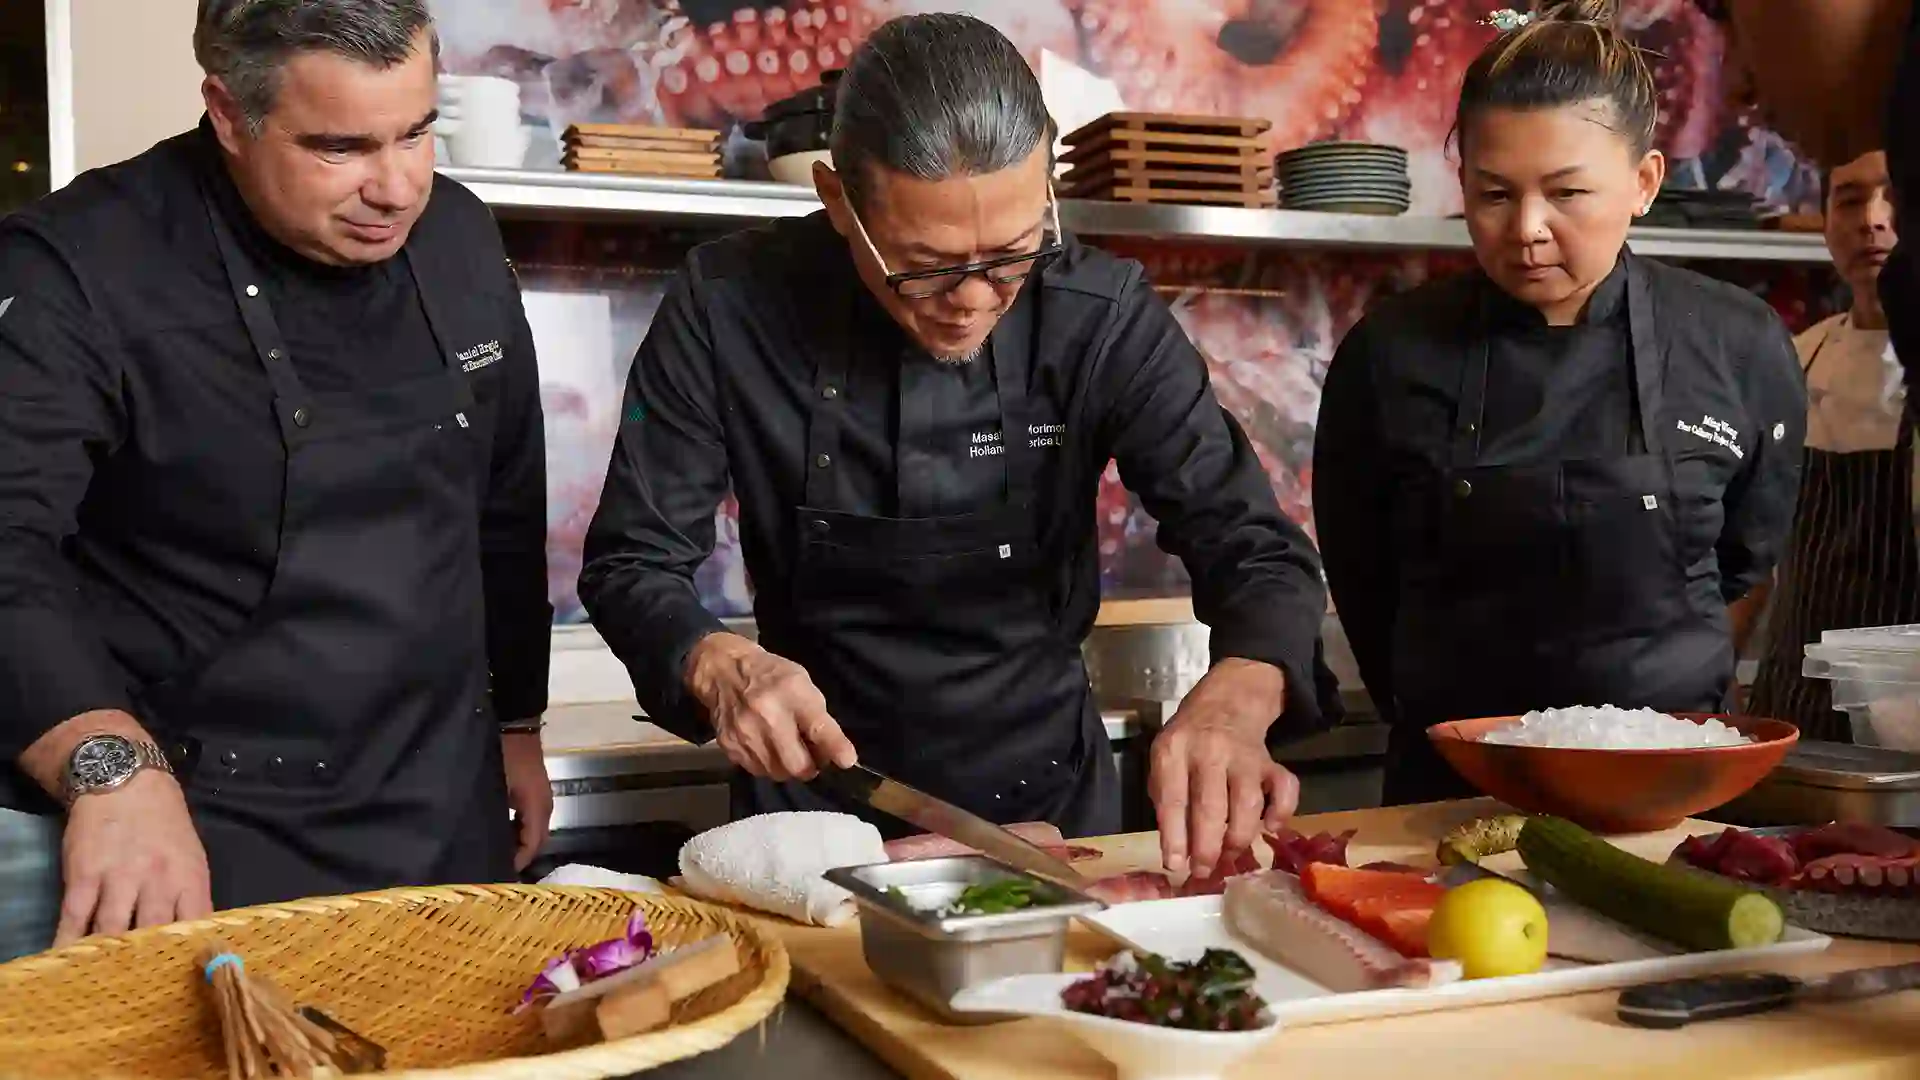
{"x": 1852, "y": 562}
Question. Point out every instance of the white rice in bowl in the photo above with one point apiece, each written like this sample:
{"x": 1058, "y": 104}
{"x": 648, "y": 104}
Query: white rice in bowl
{"x": 1585, "y": 727}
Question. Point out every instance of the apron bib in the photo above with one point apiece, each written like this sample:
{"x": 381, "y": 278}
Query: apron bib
{"x": 935, "y": 640}
{"x": 342, "y": 740}
{"x": 1550, "y": 583}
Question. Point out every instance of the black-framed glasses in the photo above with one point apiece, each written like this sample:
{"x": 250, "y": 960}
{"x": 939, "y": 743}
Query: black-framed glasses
{"x": 1002, "y": 270}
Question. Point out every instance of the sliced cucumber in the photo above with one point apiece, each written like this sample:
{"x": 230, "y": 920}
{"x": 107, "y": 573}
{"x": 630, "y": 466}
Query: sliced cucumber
{"x": 1681, "y": 906}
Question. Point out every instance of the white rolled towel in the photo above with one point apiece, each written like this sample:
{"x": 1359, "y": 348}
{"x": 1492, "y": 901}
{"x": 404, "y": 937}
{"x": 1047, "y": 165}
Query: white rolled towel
{"x": 774, "y": 862}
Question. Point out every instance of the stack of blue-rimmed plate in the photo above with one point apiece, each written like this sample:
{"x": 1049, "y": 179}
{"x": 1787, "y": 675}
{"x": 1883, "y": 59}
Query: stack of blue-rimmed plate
{"x": 1344, "y": 177}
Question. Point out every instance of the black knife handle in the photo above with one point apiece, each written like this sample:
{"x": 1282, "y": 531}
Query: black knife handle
{"x": 1712, "y": 997}
{"x": 856, "y": 783}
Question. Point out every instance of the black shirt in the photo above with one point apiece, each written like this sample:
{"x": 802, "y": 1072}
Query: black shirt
{"x": 1557, "y": 392}
{"x": 126, "y": 374}
{"x": 720, "y": 392}
{"x": 1900, "y": 277}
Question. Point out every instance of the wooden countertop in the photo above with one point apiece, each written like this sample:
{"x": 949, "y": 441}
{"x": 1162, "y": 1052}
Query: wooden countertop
{"x": 1562, "y": 1038}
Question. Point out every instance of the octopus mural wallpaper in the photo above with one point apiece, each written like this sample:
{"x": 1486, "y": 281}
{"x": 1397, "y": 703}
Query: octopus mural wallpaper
{"x": 1267, "y": 320}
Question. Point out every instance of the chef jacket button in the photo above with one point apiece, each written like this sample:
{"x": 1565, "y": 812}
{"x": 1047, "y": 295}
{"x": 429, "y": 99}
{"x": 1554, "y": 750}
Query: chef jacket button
{"x": 820, "y": 526}
{"x": 276, "y": 764}
{"x": 1463, "y": 488}
{"x": 823, "y": 460}
{"x": 253, "y": 290}
{"x": 300, "y": 417}
{"x": 273, "y": 354}
{"x": 229, "y": 758}
{"x": 1779, "y": 432}
{"x": 1471, "y": 427}
{"x": 829, "y": 392}
{"x": 321, "y": 771}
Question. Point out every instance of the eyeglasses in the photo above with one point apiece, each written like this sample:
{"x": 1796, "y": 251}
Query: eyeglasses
{"x": 1004, "y": 270}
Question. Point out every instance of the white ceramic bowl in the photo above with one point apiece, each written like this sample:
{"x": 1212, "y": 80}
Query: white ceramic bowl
{"x": 798, "y": 168}
{"x": 1138, "y": 1051}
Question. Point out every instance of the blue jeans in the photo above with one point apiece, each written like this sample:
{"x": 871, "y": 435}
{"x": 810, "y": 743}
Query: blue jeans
{"x": 29, "y": 883}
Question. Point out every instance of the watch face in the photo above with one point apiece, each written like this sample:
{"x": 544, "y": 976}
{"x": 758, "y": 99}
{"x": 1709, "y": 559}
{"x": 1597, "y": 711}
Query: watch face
{"x": 103, "y": 763}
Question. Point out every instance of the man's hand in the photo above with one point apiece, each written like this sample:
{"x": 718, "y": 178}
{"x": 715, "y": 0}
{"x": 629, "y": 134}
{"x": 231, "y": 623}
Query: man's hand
{"x": 130, "y": 857}
{"x": 1213, "y": 783}
{"x": 529, "y": 793}
{"x": 770, "y": 718}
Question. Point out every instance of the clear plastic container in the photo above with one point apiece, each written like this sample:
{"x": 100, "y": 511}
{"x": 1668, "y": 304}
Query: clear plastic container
{"x": 1875, "y": 673}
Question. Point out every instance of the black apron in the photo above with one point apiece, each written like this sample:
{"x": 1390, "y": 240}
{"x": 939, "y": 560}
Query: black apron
{"x": 1545, "y": 584}
{"x": 1853, "y": 563}
{"x": 936, "y": 641}
{"x": 342, "y": 740}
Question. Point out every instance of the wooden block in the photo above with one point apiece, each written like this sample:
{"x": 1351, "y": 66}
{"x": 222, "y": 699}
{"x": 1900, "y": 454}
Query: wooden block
{"x": 1170, "y": 123}
{"x": 634, "y": 1010}
{"x": 1187, "y": 153}
{"x": 640, "y": 167}
{"x": 679, "y": 973}
{"x": 1183, "y": 177}
{"x": 1256, "y": 199}
{"x": 643, "y": 157}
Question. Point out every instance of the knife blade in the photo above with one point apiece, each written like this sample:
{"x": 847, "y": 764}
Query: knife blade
{"x": 1680, "y": 1002}
{"x": 1574, "y": 932}
{"x": 915, "y": 807}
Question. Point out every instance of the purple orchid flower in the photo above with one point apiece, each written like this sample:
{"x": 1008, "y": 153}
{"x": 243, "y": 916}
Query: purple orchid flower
{"x": 577, "y": 967}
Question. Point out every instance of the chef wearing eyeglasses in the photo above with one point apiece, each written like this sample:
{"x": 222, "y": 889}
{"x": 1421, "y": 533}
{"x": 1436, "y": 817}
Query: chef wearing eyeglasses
{"x": 913, "y": 395}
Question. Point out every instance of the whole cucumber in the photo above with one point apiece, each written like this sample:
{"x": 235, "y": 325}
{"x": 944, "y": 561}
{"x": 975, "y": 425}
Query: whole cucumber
{"x": 1681, "y": 906}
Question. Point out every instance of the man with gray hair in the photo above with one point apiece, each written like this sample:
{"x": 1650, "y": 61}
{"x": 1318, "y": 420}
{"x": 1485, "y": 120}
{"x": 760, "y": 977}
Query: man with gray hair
{"x": 913, "y": 396}
{"x": 272, "y": 507}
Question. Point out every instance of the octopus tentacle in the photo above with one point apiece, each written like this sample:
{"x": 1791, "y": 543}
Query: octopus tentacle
{"x": 733, "y": 70}
{"x": 1298, "y": 63}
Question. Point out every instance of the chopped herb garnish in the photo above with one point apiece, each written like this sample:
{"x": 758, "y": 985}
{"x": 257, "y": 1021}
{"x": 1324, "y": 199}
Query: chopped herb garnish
{"x": 1213, "y": 993}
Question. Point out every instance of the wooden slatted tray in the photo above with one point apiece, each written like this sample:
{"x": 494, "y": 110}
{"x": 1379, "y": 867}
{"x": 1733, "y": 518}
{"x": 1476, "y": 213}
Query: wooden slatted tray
{"x": 636, "y": 149}
{"x": 1170, "y": 158}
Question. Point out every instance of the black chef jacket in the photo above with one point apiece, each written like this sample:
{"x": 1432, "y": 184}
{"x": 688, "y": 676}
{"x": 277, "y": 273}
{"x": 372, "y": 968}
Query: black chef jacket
{"x": 120, "y": 344}
{"x": 1395, "y": 470}
{"x": 720, "y": 391}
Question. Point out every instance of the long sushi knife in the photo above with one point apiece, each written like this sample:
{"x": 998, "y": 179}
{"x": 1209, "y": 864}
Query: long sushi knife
{"x": 915, "y": 807}
{"x": 1573, "y": 932}
{"x": 1680, "y": 1002}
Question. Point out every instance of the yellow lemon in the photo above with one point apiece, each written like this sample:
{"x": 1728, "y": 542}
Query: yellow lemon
{"x": 1492, "y": 927}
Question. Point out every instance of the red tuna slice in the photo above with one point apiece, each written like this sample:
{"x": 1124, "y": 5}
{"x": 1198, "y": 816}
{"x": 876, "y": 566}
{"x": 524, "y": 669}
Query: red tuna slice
{"x": 1768, "y": 860}
{"x": 1851, "y": 839}
{"x": 1293, "y": 851}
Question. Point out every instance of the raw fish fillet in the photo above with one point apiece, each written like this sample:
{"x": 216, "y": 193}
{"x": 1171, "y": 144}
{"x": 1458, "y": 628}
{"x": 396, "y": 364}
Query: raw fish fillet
{"x": 1042, "y": 833}
{"x": 1272, "y": 913}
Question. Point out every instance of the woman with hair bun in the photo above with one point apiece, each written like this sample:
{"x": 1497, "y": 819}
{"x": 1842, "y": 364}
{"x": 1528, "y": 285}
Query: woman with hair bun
{"x": 1540, "y": 484}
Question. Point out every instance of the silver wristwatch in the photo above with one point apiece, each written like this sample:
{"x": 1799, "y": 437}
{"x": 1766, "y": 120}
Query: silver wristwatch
{"x": 104, "y": 762}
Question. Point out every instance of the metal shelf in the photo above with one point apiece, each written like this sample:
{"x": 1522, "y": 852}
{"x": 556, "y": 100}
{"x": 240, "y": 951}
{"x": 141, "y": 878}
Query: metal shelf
{"x": 543, "y": 194}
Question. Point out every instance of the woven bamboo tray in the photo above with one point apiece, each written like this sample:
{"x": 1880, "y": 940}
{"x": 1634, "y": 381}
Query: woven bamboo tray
{"x": 431, "y": 974}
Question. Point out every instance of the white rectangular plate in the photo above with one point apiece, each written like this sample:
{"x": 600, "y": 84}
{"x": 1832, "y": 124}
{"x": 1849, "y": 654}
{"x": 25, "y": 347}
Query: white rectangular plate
{"x": 1181, "y": 929}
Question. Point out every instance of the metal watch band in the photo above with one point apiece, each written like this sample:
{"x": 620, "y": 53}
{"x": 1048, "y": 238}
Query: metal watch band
{"x": 145, "y": 754}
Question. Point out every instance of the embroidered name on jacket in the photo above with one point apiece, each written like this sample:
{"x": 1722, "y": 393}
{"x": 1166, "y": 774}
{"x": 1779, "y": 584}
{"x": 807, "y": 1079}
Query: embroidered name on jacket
{"x": 1718, "y": 432}
{"x": 985, "y": 444}
{"x": 1040, "y": 435}
{"x": 480, "y": 356}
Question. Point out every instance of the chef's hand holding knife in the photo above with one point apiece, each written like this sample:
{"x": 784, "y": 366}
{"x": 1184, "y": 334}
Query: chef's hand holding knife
{"x": 1215, "y": 787}
{"x": 769, "y": 717}
{"x": 130, "y": 857}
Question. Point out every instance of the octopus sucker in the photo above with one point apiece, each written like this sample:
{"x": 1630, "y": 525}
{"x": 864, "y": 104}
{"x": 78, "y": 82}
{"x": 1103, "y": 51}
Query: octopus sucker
{"x": 1292, "y": 62}
{"x": 733, "y": 69}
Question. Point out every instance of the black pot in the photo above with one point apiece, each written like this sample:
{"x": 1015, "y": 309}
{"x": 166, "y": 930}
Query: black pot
{"x": 798, "y": 124}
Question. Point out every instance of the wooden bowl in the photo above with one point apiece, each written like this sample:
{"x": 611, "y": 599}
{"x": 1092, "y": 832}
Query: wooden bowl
{"x": 1614, "y": 791}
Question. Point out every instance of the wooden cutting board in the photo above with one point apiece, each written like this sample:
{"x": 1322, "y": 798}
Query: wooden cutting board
{"x": 1563, "y": 1037}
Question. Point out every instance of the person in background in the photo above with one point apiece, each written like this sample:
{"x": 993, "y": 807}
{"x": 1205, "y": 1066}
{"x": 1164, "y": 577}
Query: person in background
{"x": 1852, "y": 561}
{"x": 272, "y": 502}
{"x": 1840, "y": 79}
{"x": 913, "y": 395}
{"x": 1540, "y": 484}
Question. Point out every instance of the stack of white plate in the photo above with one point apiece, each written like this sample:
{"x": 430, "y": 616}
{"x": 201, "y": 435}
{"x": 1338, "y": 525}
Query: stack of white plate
{"x": 1344, "y": 177}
